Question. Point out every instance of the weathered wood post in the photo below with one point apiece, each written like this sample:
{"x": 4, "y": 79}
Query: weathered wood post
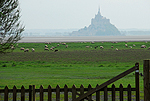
{"x": 146, "y": 71}
{"x": 30, "y": 92}
{"x": 137, "y": 82}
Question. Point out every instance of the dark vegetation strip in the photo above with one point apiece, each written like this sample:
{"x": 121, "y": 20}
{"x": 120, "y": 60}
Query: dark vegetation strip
{"x": 88, "y": 56}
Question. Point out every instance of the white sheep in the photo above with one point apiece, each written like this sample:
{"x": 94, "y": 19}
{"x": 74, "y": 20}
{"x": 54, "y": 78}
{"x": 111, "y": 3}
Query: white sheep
{"x": 46, "y": 46}
{"x": 116, "y": 49}
{"x": 26, "y": 50}
{"x": 12, "y": 47}
{"x": 46, "y": 49}
{"x": 126, "y": 45}
{"x": 143, "y": 46}
{"x": 51, "y": 48}
{"x": 133, "y": 45}
{"x": 63, "y": 43}
{"x": 21, "y": 48}
{"x": 33, "y": 50}
{"x": 101, "y": 47}
{"x": 92, "y": 42}
{"x": 87, "y": 46}
{"x": 66, "y": 46}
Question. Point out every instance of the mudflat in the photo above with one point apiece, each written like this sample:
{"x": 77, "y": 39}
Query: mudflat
{"x": 85, "y": 38}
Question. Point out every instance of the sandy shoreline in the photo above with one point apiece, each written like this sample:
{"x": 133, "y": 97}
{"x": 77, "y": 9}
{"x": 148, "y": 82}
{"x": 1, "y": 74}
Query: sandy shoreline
{"x": 83, "y": 39}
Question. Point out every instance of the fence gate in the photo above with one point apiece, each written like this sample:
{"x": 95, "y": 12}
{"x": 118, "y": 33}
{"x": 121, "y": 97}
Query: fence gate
{"x": 98, "y": 88}
{"x": 83, "y": 93}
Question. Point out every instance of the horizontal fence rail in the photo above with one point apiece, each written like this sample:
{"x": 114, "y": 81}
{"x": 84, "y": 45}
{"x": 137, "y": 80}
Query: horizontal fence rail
{"x": 31, "y": 93}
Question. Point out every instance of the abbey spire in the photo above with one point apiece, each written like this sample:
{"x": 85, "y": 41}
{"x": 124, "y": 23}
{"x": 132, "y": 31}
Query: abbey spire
{"x": 99, "y": 10}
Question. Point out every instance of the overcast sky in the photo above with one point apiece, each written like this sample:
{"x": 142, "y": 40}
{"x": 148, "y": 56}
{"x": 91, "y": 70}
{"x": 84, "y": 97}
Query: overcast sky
{"x": 68, "y": 14}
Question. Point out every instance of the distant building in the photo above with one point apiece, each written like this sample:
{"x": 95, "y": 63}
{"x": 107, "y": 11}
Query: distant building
{"x": 100, "y": 26}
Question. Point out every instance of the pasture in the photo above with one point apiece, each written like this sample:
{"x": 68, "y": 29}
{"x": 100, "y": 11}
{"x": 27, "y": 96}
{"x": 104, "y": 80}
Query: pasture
{"x": 75, "y": 64}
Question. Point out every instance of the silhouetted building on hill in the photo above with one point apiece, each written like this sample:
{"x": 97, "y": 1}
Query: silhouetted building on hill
{"x": 100, "y": 26}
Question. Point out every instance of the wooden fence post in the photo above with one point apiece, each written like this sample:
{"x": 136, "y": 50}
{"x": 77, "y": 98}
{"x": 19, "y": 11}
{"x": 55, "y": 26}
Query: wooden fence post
{"x": 121, "y": 92}
{"x": 41, "y": 93}
{"x": 14, "y": 93}
{"x": 113, "y": 93}
{"x": 74, "y": 92}
{"x": 34, "y": 93}
{"x": 146, "y": 71}
{"x": 82, "y": 90}
{"x": 137, "y": 82}
{"x": 30, "y": 92}
{"x": 97, "y": 94}
{"x": 49, "y": 93}
{"x": 22, "y": 93}
{"x": 57, "y": 93}
{"x": 6, "y": 94}
{"x": 65, "y": 93}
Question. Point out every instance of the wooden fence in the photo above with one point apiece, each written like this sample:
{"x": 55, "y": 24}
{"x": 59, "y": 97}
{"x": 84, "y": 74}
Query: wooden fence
{"x": 100, "y": 92}
{"x": 104, "y": 94}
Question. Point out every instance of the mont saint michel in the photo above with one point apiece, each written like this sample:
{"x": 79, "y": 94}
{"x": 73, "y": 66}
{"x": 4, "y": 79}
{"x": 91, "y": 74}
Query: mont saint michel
{"x": 100, "y": 26}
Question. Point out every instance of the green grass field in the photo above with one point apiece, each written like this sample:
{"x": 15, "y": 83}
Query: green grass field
{"x": 73, "y": 65}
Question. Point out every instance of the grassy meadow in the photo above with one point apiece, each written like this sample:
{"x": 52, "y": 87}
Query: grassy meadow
{"x": 75, "y": 64}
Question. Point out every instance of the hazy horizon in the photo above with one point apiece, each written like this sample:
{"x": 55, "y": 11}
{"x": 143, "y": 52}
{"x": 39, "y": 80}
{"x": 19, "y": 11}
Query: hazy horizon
{"x": 76, "y": 14}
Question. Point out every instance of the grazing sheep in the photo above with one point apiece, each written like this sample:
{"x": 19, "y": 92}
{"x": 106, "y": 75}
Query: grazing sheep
{"x": 87, "y": 46}
{"x": 46, "y": 46}
{"x": 92, "y": 42}
{"x": 26, "y": 50}
{"x": 21, "y": 48}
{"x": 96, "y": 47}
{"x": 130, "y": 46}
{"x": 116, "y": 49}
{"x": 66, "y": 46}
{"x": 101, "y": 47}
{"x": 51, "y": 48}
{"x": 57, "y": 44}
{"x": 112, "y": 47}
{"x": 46, "y": 49}
{"x": 63, "y": 43}
{"x": 56, "y": 50}
{"x": 12, "y": 47}
{"x": 126, "y": 45}
{"x": 46, "y": 42}
{"x": 33, "y": 50}
{"x": 143, "y": 46}
{"x": 133, "y": 45}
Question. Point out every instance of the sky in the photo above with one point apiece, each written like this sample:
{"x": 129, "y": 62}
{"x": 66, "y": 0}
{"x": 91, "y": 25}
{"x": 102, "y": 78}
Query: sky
{"x": 76, "y": 14}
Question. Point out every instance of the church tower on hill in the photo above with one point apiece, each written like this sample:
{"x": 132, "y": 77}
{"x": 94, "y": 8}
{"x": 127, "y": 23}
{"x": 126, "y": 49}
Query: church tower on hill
{"x": 100, "y": 26}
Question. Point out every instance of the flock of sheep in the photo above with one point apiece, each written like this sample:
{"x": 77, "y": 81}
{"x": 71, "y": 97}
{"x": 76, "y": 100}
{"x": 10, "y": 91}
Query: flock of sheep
{"x": 126, "y": 45}
{"x": 55, "y": 50}
{"x": 46, "y": 47}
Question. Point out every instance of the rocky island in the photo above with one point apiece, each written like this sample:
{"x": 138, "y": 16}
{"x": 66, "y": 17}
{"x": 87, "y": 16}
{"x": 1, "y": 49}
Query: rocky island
{"x": 100, "y": 26}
